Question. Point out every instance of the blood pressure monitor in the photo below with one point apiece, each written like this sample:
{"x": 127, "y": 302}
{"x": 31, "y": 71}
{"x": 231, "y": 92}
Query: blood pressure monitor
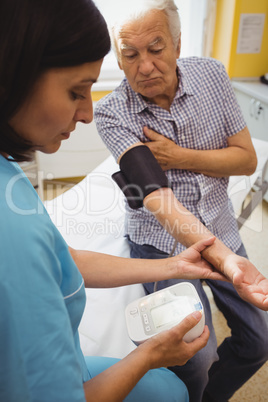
{"x": 162, "y": 310}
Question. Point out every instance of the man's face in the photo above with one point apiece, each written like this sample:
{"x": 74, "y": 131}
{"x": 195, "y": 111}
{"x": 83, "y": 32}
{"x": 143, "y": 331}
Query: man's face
{"x": 148, "y": 57}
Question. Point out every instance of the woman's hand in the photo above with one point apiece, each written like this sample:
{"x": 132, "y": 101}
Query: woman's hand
{"x": 168, "y": 347}
{"x": 191, "y": 265}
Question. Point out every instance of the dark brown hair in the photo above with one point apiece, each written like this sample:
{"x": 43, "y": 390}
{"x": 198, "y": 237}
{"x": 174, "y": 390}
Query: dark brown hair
{"x": 37, "y": 35}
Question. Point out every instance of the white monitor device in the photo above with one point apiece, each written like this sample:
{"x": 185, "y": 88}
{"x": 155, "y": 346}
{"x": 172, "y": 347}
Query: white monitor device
{"x": 162, "y": 310}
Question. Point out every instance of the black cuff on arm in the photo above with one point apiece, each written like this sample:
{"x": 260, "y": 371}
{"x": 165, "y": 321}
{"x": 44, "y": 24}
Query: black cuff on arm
{"x": 140, "y": 175}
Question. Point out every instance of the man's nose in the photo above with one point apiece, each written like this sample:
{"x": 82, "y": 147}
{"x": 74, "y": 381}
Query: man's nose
{"x": 146, "y": 65}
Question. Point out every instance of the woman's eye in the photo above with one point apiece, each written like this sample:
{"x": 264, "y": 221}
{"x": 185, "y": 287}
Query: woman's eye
{"x": 76, "y": 96}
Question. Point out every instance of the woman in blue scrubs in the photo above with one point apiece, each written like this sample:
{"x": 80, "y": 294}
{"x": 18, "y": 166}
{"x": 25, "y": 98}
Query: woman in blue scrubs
{"x": 51, "y": 53}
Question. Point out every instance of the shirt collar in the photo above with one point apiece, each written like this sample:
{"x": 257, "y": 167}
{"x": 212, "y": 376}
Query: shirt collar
{"x": 185, "y": 86}
{"x": 136, "y": 103}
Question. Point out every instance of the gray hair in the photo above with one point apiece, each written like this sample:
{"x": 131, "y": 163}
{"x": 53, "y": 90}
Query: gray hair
{"x": 134, "y": 10}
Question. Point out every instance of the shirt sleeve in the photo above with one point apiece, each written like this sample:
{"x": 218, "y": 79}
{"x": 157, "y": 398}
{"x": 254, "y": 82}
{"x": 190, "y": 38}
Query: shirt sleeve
{"x": 233, "y": 116}
{"x": 118, "y": 129}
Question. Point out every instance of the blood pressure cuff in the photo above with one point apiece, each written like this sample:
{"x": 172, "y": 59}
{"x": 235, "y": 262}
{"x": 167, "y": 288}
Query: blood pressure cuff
{"x": 139, "y": 176}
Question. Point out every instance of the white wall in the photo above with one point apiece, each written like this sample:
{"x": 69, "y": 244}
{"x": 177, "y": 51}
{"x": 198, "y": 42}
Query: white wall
{"x": 77, "y": 156}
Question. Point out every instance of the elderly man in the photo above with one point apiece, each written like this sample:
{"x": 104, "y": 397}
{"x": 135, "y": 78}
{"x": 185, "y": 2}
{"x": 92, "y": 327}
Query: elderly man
{"x": 185, "y": 112}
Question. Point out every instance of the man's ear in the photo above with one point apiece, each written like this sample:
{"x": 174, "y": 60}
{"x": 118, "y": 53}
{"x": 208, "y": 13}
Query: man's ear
{"x": 119, "y": 64}
{"x": 178, "y": 50}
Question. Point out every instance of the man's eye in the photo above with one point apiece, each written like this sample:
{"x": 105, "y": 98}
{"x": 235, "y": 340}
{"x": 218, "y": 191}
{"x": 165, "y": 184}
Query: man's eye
{"x": 76, "y": 96}
{"x": 156, "y": 51}
{"x": 130, "y": 56}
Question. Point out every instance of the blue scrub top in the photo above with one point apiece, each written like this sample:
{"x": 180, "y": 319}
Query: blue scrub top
{"x": 42, "y": 298}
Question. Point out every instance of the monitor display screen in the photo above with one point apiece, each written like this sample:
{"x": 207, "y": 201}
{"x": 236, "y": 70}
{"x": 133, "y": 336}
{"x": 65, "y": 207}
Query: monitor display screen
{"x": 174, "y": 310}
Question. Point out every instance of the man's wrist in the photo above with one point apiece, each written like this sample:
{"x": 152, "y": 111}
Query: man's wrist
{"x": 216, "y": 255}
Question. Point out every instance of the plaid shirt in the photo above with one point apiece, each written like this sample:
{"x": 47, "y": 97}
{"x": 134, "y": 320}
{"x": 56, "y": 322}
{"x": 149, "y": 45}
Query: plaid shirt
{"x": 204, "y": 113}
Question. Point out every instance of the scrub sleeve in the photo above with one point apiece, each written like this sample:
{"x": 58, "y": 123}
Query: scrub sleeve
{"x": 157, "y": 385}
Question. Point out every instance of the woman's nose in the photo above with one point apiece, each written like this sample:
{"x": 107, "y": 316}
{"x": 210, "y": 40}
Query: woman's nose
{"x": 84, "y": 112}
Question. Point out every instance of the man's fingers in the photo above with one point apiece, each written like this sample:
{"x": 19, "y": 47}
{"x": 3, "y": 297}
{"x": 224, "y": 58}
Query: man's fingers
{"x": 152, "y": 135}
